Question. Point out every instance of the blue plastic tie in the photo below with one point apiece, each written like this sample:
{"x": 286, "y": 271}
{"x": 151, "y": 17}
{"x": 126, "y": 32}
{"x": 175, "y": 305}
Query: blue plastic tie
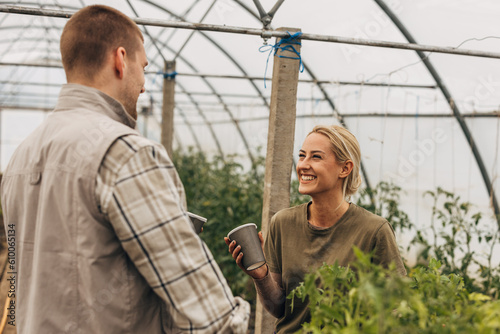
{"x": 170, "y": 75}
{"x": 291, "y": 40}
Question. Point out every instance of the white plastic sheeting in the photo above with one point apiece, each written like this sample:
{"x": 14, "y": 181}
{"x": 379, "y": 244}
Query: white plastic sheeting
{"x": 422, "y": 148}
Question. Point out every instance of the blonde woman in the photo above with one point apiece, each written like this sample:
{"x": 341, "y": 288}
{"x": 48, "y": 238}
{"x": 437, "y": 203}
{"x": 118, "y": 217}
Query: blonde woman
{"x": 302, "y": 238}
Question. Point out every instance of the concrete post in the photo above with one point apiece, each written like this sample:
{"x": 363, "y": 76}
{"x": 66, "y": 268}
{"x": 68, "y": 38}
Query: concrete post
{"x": 279, "y": 157}
{"x": 167, "y": 115}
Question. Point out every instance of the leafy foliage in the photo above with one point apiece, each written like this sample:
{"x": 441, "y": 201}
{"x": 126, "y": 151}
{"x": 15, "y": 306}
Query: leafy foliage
{"x": 371, "y": 299}
{"x": 297, "y": 198}
{"x": 219, "y": 191}
{"x": 453, "y": 234}
{"x": 455, "y": 231}
{"x": 452, "y": 290}
{"x": 383, "y": 200}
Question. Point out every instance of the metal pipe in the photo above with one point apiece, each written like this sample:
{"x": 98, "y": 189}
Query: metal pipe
{"x": 222, "y": 76}
{"x": 263, "y": 33}
{"x": 24, "y": 108}
{"x": 343, "y": 83}
{"x": 492, "y": 114}
{"x": 264, "y": 118}
{"x": 495, "y": 114}
{"x": 275, "y": 8}
{"x": 261, "y": 10}
{"x": 192, "y": 32}
{"x": 32, "y": 65}
{"x": 453, "y": 106}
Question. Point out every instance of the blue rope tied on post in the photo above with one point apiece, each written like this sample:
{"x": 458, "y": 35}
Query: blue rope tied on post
{"x": 291, "y": 40}
{"x": 169, "y": 75}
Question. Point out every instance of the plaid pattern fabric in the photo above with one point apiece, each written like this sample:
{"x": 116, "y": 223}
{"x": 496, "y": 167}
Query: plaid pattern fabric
{"x": 139, "y": 191}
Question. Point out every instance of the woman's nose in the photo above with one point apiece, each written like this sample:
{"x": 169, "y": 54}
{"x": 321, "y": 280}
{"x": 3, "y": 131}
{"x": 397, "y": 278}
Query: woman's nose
{"x": 303, "y": 164}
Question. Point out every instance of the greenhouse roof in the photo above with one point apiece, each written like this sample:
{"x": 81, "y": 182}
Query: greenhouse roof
{"x": 423, "y": 103}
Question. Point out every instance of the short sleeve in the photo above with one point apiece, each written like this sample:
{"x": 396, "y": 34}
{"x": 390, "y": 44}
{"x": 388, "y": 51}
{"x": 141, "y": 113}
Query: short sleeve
{"x": 387, "y": 250}
{"x": 270, "y": 247}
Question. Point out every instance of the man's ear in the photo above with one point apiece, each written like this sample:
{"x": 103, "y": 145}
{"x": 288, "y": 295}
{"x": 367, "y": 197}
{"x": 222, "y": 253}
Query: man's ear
{"x": 346, "y": 169}
{"x": 119, "y": 58}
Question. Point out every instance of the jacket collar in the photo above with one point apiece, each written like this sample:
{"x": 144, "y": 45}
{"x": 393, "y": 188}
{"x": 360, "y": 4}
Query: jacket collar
{"x": 74, "y": 96}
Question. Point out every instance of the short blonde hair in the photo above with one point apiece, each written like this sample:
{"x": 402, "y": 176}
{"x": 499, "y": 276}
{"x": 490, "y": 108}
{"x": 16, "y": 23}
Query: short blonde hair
{"x": 345, "y": 147}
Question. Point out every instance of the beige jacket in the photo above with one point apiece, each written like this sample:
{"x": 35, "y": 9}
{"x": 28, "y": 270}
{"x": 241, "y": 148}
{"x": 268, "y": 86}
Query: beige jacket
{"x": 72, "y": 274}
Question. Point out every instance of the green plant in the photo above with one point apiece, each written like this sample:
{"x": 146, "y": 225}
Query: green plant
{"x": 453, "y": 236}
{"x": 227, "y": 197}
{"x": 455, "y": 232}
{"x": 366, "y": 298}
{"x": 383, "y": 200}
{"x": 297, "y": 198}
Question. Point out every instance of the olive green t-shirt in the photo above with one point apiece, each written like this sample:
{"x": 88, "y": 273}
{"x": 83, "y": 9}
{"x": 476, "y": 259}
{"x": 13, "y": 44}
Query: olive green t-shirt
{"x": 293, "y": 248}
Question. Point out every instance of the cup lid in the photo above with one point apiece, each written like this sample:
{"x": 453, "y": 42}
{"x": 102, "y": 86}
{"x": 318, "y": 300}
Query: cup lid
{"x": 240, "y": 227}
{"x": 192, "y": 215}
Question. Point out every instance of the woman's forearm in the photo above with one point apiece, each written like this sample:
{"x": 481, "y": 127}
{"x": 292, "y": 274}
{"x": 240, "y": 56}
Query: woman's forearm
{"x": 271, "y": 294}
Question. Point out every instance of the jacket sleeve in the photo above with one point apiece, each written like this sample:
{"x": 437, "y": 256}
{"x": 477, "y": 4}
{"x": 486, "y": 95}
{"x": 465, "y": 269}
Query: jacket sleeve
{"x": 145, "y": 204}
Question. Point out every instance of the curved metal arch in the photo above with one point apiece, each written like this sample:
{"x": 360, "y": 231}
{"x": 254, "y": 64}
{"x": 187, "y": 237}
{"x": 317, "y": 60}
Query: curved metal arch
{"x": 189, "y": 125}
{"x": 185, "y": 91}
{"x": 154, "y": 41}
{"x": 20, "y": 27}
{"x": 16, "y": 69}
{"x": 217, "y": 45}
{"x": 40, "y": 5}
{"x": 209, "y": 85}
{"x": 24, "y": 29}
{"x": 325, "y": 95}
{"x": 226, "y": 109}
{"x": 22, "y": 50}
{"x": 452, "y": 104}
{"x": 18, "y": 38}
{"x": 59, "y": 28}
{"x": 181, "y": 112}
{"x": 198, "y": 109}
{"x": 27, "y": 72}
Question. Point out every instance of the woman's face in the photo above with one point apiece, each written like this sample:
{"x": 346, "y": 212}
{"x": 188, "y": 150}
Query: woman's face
{"x": 317, "y": 169}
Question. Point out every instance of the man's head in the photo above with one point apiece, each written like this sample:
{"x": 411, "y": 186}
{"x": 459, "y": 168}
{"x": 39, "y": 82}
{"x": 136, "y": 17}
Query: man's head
{"x": 103, "y": 48}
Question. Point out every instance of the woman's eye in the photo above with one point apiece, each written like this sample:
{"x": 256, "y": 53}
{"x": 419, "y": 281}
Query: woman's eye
{"x": 317, "y": 156}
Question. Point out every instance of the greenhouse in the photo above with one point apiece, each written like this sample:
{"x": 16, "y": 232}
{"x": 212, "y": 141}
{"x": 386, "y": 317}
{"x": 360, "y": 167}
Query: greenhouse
{"x": 234, "y": 87}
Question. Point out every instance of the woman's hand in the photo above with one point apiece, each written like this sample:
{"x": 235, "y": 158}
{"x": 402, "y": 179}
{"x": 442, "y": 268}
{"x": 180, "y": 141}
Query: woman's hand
{"x": 235, "y": 250}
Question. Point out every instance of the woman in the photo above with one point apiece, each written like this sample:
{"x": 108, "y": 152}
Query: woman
{"x": 302, "y": 238}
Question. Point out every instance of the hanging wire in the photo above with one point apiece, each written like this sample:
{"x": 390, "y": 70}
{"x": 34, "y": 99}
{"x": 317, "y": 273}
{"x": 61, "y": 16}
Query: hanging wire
{"x": 312, "y": 100}
{"x": 477, "y": 39}
{"x": 434, "y": 178}
{"x": 385, "y": 107}
{"x": 416, "y": 164}
{"x": 428, "y": 55}
{"x": 472, "y": 126}
{"x": 401, "y": 132}
{"x": 453, "y": 156}
{"x": 359, "y": 97}
{"x": 494, "y": 173}
{"x": 193, "y": 31}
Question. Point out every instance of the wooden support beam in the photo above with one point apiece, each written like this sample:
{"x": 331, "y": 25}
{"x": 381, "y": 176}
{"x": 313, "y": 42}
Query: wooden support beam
{"x": 167, "y": 115}
{"x": 279, "y": 157}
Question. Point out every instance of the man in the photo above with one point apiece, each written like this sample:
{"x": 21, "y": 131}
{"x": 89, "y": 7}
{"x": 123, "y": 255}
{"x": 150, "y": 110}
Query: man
{"x": 103, "y": 242}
